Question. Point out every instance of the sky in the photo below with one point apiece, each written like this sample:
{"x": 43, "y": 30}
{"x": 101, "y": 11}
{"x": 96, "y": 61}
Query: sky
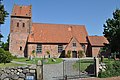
{"x": 91, "y": 13}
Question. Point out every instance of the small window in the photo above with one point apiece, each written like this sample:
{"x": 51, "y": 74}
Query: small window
{"x": 20, "y": 48}
{"x": 60, "y": 48}
{"x": 23, "y": 24}
{"x": 39, "y": 48}
{"x": 17, "y": 24}
{"x": 74, "y": 44}
{"x": 83, "y": 46}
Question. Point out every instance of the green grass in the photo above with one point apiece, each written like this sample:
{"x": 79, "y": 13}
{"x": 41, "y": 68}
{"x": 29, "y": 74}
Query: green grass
{"x": 83, "y": 64}
{"x": 2, "y": 65}
{"x": 35, "y": 60}
{"x": 106, "y": 60}
{"x": 50, "y": 61}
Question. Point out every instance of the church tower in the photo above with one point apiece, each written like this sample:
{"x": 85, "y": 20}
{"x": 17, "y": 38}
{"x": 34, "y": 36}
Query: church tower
{"x": 20, "y": 28}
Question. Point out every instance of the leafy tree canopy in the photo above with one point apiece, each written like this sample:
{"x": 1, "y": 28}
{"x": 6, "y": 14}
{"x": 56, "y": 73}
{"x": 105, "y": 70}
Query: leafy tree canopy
{"x": 3, "y": 13}
{"x": 112, "y": 31}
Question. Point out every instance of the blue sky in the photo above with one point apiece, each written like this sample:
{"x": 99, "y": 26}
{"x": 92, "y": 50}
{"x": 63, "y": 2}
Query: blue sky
{"x": 91, "y": 13}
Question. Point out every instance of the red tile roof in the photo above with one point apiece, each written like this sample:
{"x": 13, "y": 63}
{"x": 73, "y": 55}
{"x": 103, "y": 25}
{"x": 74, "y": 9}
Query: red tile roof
{"x": 21, "y": 11}
{"x": 97, "y": 40}
{"x": 57, "y": 33}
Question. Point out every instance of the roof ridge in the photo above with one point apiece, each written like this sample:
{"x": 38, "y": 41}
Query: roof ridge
{"x": 59, "y": 24}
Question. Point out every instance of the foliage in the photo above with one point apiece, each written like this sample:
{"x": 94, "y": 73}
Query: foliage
{"x": 5, "y": 56}
{"x": 113, "y": 69}
{"x": 3, "y": 13}
{"x": 1, "y": 36}
{"x": 112, "y": 31}
{"x": 48, "y": 52}
{"x": 5, "y": 46}
{"x": 33, "y": 53}
{"x": 68, "y": 55}
{"x": 80, "y": 53}
{"x": 2, "y": 65}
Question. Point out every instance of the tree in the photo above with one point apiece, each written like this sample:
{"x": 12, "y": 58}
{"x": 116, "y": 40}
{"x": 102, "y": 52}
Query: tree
{"x": 112, "y": 31}
{"x": 3, "y": 13}
{"x": 5, "y": 46}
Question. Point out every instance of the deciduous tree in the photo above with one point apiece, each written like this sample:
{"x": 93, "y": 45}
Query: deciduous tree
{"x": 112, "y": 31}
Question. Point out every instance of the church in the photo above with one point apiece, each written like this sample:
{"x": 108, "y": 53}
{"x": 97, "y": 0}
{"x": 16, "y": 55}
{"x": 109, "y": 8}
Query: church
{"x": 42, "y": 39}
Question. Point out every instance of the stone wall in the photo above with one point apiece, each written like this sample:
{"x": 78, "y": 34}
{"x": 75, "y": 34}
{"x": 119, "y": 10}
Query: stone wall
{"x": 17, "y": 73}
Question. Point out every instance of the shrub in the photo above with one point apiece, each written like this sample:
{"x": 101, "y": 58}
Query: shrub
{"x": 68, "y": 54}
{"x": 9, "y": 57}
{"x": 80, "y": 53}
{"x": 2, "y": 55}
{"x": 5, "y": 56}
{"x": 113, "y": 69}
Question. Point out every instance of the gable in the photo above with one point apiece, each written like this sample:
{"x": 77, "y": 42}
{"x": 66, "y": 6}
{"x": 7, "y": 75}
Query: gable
{"x": 74, "y": 48}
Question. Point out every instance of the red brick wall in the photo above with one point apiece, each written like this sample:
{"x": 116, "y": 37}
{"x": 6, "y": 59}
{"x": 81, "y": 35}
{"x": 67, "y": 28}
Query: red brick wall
{"x": 19, "y": 35}
{"x": 52, "y": 48}
{"x": 71, "y": 48}
{"x": 95, "y": 51}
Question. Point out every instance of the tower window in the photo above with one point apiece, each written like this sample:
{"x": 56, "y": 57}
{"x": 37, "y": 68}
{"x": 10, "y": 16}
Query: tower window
{"x": 20, "y": 48}
{"x": 17, "y": 24}
{"x": 23, "y": 24}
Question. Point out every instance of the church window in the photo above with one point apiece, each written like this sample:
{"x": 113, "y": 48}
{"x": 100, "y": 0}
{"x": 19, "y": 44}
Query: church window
{"x": 39, "y": 48}
{"x": 23, "y": 24}
{"x": 17, "y": 24}
{"x": 20, "y": 48}
{"x": 74, "y": 44}
{"x": 60, "y": 48}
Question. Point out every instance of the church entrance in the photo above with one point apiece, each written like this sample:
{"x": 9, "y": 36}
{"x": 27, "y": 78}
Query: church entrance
{"x": 74, "y": 54}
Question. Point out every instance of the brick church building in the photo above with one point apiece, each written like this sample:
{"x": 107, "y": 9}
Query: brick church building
{"x": 27, "y": 37}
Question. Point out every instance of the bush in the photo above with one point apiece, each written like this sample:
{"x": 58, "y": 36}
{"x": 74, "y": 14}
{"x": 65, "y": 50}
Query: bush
{"x": 68, "y": 55}
{"x": 80, "y": 53}
{"x": 9, "y": 57}
{"x": 5, "y": 56}
{"x": 113, "y": 69}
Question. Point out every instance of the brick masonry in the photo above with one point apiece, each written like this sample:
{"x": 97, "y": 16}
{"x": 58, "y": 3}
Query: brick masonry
{"x": 19, "y": 35}
{"x": 21, "y": 28}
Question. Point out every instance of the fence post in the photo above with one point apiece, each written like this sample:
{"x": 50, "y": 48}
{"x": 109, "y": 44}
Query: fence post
{"x": 63, "y": 69}
{"x": 39, "y": 70}
{"x": 96, "y": 66}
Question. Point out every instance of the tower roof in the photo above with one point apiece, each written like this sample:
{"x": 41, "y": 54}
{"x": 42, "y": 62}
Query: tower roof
{"x": 22, "y": 11}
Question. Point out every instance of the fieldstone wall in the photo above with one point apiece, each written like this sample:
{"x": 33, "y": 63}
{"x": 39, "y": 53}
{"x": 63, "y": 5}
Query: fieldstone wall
{"x": 18, "y": 73}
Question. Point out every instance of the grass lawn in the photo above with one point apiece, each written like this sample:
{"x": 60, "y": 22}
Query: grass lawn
{"x": 83, "y": 64}
{"x": 106, "y": 60}
{"x": 2, "y": 65}
{"x": 35, "y": 60}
